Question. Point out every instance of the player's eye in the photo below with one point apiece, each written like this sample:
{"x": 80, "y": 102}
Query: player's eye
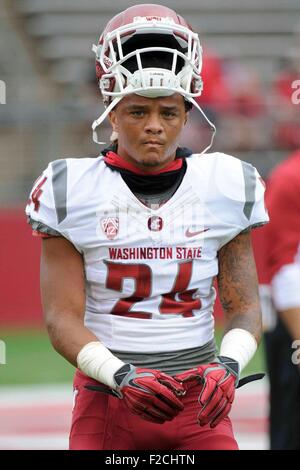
{"x": 169, "y": 114}
{"x": 137, "y": 113}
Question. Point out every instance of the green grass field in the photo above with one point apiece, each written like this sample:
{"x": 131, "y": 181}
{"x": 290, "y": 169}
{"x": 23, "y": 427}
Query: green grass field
{"x": 31, "y": 359}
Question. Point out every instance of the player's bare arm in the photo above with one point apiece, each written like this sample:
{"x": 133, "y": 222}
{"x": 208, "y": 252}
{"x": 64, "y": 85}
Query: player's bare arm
{"x": 238, "y": 286}
{"x": 238, "y": 290}
{"x": 63, "y": 297}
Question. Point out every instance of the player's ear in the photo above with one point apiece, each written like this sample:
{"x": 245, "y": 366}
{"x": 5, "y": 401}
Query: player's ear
{"x": 113, "y": 120}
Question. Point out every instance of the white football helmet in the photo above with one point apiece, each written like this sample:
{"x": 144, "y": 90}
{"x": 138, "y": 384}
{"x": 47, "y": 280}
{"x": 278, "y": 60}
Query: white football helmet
{"x": 151, "y": 51}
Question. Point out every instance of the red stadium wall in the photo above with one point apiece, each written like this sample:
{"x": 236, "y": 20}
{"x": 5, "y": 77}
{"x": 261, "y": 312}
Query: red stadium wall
{"x": 19, "y": 274}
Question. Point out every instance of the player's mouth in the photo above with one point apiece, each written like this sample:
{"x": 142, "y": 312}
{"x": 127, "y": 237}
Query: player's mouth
{"x": 153, "y": 143}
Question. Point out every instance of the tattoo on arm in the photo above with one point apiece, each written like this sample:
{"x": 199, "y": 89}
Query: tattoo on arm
{"x": 238, "y": 286}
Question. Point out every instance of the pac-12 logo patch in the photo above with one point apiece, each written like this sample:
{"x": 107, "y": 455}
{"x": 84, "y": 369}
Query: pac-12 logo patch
{"x": 155, "y": 223}
{"x": 110, "y": 226}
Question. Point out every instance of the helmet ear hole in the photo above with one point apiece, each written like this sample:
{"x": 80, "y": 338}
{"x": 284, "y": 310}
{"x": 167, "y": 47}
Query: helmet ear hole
{"x": 111, "y": 84}
{"x": 197, "y": 85}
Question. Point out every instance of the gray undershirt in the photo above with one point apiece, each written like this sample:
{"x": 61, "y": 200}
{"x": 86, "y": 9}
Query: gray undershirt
{"x": 171, "y": 362}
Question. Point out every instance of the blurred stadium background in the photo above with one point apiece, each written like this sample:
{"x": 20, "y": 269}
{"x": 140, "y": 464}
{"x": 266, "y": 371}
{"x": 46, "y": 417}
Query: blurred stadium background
{"x": 49, "y": 98}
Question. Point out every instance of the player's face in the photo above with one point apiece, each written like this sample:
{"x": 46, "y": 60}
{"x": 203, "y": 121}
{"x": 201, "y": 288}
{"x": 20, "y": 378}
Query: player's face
{"x": 149, "y": 129}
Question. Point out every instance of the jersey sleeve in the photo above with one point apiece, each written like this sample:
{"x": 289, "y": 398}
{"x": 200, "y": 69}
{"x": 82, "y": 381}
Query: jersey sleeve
{"x": 42, "y": 208}
{"x": 243, "y": 190}
{"x": 254, "y": 208}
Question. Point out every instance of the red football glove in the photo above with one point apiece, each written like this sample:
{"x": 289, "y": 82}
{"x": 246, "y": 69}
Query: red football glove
{"x": 149, "y": 393}
{"x": 218, "y": 382}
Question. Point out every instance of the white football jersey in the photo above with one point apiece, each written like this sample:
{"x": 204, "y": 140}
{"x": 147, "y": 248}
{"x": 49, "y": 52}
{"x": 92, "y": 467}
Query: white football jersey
{"x": 149, "y": 272}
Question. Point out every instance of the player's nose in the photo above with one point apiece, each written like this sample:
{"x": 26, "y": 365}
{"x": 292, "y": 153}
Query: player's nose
{"x": 154, "y": 124}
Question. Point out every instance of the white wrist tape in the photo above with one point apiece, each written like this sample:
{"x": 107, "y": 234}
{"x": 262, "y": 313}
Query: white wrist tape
{"x": 240, "y": 345}
{"x": 96, "y": 361}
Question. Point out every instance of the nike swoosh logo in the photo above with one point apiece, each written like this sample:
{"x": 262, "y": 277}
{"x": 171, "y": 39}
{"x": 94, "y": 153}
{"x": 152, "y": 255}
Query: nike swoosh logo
{"x": 193, "y": 234}
{"x": 138, "y": 386}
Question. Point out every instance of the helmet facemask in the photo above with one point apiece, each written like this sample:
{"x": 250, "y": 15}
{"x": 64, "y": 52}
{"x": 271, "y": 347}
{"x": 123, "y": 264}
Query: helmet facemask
{"x": 121, "y": 56}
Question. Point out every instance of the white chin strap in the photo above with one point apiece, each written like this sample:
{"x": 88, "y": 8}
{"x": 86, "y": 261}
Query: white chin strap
{"x": 116, "y": 100}
{"x": 101, "y": 118}
{"x": 211, "y": 124}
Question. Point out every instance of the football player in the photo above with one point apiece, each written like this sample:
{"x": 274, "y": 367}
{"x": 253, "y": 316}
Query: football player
{"x": 131, "y": 244}
{"x": 282, "y": 259}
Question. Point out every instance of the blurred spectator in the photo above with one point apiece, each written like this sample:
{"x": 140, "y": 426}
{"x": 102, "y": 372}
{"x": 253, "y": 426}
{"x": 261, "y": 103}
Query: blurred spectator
{"x": 234, "y": 100}
{"x": 216, "y": 92}
{"x": 282, "y": 259}
{"x": 246, "y": 122}
{"x": 215, "y": 101}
